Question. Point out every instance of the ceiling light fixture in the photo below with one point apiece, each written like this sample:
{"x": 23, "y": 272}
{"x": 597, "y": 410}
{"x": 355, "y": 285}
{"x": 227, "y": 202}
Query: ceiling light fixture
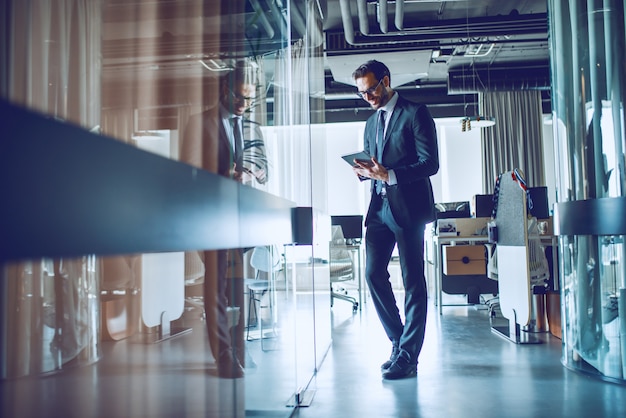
{"x": 476, "y": 52}
{"x": 477, "y": 121}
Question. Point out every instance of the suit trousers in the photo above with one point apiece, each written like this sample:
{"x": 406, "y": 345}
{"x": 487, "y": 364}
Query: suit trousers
{"x": 381, "y": 236}
{"x": 223, "y": 287}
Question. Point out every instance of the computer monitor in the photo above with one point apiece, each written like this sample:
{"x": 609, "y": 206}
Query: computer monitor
{"x": 453, "y": 210}
{"x": 539, "y": 196}
{"x": 352, "y": 225}
{"x": 482, "y": 205}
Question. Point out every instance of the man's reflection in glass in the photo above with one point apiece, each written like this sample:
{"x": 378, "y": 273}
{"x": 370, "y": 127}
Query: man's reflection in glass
{"x": 223, "y": 141}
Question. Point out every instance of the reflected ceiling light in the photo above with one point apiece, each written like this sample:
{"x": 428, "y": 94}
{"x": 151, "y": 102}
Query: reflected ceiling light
{"x": 212, "y": 65}
{"x": 476, "y": 51}
{"x": 146, "y": 136}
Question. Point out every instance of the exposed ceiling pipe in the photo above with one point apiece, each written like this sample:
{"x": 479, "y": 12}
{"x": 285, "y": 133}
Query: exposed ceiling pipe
{"x": 298, "y": 20}
{"x": 346, "y": 19}
{"x": 382, "y": 16}
{"x": 314, "y": 31}
{"x": 482, "y": 26}
{"x": 529, "y": 24}
{"x": 361, "y": 10}
{"x": 399, "y": 14}
{"x": 260, "y": 14}
{"x": 278, "y": 16}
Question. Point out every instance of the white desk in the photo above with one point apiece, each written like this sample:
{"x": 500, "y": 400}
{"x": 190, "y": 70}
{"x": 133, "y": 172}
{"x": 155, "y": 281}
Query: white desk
{"x": 440, "y": 241}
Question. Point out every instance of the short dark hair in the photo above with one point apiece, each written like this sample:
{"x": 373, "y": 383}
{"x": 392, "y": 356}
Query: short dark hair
{"x": 240, "y": 73}
{"x": 377, "y": 68}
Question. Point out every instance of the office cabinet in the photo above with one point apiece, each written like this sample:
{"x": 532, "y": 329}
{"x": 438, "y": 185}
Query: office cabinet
{"x": 464, "y": 260}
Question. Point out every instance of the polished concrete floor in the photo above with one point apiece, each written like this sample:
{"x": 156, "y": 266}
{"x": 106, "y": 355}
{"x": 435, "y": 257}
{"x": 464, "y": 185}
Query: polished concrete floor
{"x": 465, "y": 370}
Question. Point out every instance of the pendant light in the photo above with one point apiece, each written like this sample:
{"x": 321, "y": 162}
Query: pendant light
{"x": 477, "y": 120}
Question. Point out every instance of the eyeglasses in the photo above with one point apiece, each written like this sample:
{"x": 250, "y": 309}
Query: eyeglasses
{"x": 240, "y": 98}
{"x": 370, "y": 91}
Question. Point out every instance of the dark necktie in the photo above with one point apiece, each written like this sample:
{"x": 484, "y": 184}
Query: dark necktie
{"x": 380, "y": 135}
{"x": 238, "y": 143}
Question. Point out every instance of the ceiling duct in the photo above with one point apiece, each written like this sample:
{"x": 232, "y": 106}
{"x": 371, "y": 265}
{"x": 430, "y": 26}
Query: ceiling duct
{"x": 382, "y": 16}
{"x": 399, "y": 14}
{"x": 297, "y": 20}
{"x": 262, "y": 19}
{"x": 473, "y": 79}
{"x": 500, "y": 26}
{"x": 361, "y": 10}
{"x": 346, "y": 19}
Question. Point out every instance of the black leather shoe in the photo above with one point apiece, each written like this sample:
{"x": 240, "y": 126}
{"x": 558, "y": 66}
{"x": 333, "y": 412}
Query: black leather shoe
{"x": 394, "y": 355}
{"x": 400, "y": 369}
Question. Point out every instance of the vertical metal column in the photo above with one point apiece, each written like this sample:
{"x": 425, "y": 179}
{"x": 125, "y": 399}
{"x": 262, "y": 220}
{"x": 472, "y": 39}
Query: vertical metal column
{"x": 587, "y": 43}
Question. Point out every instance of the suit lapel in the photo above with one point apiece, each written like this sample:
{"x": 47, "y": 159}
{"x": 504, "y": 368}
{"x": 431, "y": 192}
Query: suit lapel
{"x": 371, "y": 134}
{"x": 225, "y": 142}
{"x": 395, "y": 115}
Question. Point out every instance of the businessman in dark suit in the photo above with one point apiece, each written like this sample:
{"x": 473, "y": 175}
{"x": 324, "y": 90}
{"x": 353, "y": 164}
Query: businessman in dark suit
{"x": 402, "y": 143}
{"x": 222, "y": 141}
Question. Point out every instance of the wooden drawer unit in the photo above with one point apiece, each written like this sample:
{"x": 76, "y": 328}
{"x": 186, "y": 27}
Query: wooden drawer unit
{"x": 464, "y": 260}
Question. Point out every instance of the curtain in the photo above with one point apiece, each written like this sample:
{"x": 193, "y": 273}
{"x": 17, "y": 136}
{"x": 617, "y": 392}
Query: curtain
{"x": 51, "y": 58}
{"x": 298, "y": 85}
{"x": 50, "y": 62}
{"x": 291, "y": 152}
{"x": 516, "y": 139}
{"x": 291, "y": 88}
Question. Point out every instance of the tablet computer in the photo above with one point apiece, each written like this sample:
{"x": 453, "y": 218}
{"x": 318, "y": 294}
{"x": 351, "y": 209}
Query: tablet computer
{"x": 360, "y": 156}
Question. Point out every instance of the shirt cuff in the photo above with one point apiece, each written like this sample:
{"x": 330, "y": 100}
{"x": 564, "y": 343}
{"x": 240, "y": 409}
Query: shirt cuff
{"x": 392, "y": 178}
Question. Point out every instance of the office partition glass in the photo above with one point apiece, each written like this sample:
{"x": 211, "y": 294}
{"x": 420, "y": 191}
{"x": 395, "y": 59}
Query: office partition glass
{"x": 50, "y": 63}
{"x": 587, "y": 43}
{"x": 144, "y": 74}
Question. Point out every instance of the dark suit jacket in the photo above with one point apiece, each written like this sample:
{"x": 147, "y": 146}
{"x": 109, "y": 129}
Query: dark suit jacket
{"x": 205, "y": 144}
{"x": 410, "y": 149}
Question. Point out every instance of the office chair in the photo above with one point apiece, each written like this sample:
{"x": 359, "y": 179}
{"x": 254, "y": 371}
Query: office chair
{"x": 341, "y": 268}
{"x": 538, "y": 265}
{"x": 264, "y": 260}
{"x": 537, "y": 260}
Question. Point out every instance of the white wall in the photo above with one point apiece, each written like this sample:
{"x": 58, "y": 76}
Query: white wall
{"x": 460, "y": 164}
{"x": 345, "y": 193}
{"x": 459, "y": 176}
{"x": 337, "y": 191}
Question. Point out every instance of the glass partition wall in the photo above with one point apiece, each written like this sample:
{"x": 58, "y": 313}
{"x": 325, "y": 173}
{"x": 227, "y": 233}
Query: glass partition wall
{"x": 143, "y": 73}
{"x": 589, "y": 88}
{"x": 50, "y": 63}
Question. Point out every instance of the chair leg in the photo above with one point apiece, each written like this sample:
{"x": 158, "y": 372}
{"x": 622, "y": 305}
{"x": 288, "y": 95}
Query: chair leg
{"x": 269, "y": 306}
{"x": 251, "y": 303}
{"x": 254, "y": 303}
{"x": 260, "y": 322}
